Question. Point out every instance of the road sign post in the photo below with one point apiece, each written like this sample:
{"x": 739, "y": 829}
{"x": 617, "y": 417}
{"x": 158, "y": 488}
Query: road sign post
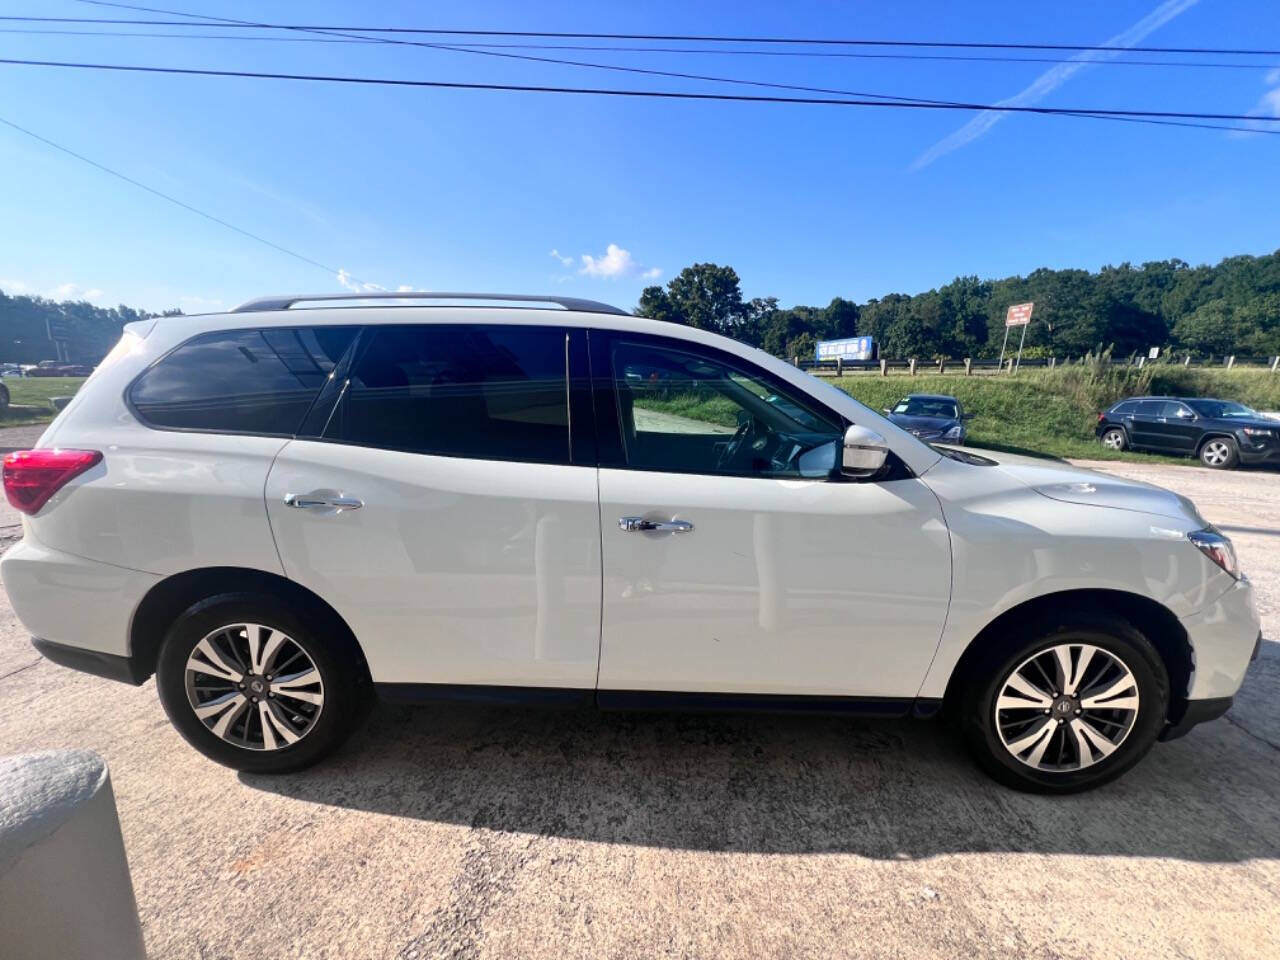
{"x": 1019, "y": 315}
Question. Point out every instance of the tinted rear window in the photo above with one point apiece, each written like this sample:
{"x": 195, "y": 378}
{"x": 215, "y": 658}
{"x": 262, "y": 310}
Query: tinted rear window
{"x": 240, "y": 381}
{"x": 498, "y": 393}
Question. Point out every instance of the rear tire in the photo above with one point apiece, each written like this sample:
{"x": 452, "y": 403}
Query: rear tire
{"x": 1114, "y": 438}
{"x": 259, "y": 686}
{"x": 1220, "y": 453}
{"x": 1033, "y": 726}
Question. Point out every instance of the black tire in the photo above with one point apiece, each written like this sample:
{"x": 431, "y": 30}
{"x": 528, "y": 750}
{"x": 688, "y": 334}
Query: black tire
{"x": 331, "y": 649}
{"x": 977, "y": 704}
{"x": 1220, "y": 453}
{"x": 1120, "y": 438}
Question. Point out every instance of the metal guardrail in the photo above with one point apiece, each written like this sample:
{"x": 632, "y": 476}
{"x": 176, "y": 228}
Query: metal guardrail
{"x": 969, "y": 365}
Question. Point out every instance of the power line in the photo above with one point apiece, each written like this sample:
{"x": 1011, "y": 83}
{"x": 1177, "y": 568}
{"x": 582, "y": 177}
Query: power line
{"x": 641, "y": 94}
{"x": 691, "y": 38}
{"x": 665, "y": 73}
{"x": 174, "y": 200}
{"x": 697, "y": 51}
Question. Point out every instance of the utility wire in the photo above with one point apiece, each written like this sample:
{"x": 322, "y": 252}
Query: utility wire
{"x": 697, "y": 51}
{"x": 692, "y": 38}
{"x": 654, "y": 94}
{"x": 614, "y": 67}
{"x": 174, "y": 200}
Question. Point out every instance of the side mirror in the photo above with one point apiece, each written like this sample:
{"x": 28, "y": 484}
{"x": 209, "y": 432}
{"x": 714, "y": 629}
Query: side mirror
{"x": 865, "y": 452}
{"x": 887, "y": 410}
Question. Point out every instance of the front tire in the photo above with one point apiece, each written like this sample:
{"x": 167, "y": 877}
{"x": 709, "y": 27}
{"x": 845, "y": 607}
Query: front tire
{"x": 258, "y": 686}
{"x": 1069, "y": 703}
{"x": 1220, "y": 453}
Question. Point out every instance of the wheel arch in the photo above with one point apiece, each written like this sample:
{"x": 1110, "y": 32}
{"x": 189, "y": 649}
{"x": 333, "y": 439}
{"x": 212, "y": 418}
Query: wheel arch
{"x": 1213, "y": 435}
{"x": 1155, "y": 621}
{"x": 165, "y": 601}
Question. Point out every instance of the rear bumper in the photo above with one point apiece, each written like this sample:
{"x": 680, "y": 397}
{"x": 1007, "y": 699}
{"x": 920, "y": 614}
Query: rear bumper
{"x": 106, "y": 665}
{"x": 72, "y": 602}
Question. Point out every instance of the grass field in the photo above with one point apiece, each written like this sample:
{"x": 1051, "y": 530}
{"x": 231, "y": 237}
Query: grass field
{"x": 1054, "y": 412}
{"x": 36, "y": 391}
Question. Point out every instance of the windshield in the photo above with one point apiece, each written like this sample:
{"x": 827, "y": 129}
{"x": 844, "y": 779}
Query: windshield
{"x": 1221, "y": 409}
{"x": 927, "y": 407}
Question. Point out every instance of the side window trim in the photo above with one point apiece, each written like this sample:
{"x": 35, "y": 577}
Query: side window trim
{"x": 605, "y": 394}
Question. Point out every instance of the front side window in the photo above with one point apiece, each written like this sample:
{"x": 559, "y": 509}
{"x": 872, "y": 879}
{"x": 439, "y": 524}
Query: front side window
{"x": 1223, "y": 409}
{"x": 497, "y": 393}
{"x": 240, "y": 381}
{"x": 692, "y": 412}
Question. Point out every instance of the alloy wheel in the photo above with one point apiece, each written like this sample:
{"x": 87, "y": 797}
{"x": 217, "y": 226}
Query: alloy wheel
{"x": 1066, "y": 707}
{"x": 1215, "y": 453}
{"x": 254, "y": 686}
{"x": 1113, "y": 440}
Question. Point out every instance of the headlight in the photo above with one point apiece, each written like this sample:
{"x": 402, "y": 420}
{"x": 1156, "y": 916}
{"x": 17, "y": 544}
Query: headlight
{"x": 1258, "y": 432}
{"x": 955, "y": 433}
{"x": 1217, "y": 548}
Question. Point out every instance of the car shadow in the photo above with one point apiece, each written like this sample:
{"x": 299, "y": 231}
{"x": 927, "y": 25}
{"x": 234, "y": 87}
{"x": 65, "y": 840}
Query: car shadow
{"x": 768, "y": 784}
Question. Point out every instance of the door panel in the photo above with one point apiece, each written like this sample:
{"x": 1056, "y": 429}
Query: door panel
{"x": 452, "y": 570}
{"x": 1143, "y": 426}
{"x": 783, "y": 586}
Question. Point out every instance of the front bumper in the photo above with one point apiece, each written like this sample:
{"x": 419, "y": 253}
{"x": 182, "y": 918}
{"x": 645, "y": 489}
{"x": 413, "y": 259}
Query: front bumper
{"x": 1224, "y": 637}
{"x": 1249, "y": 453}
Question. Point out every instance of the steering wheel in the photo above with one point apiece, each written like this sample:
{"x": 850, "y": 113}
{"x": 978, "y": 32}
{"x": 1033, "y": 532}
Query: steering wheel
{"x": 745, "y": 431}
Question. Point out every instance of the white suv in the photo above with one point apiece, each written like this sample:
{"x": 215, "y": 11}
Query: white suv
{"x": 550, "y": 501}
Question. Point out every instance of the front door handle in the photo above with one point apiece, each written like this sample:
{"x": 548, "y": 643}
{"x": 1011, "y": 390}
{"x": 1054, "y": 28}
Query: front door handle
{"x": 310, "y": 501}
{"x": 636, "y": 524}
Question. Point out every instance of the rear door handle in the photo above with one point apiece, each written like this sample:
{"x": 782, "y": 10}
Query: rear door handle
{"x": 638, "y": 524}
{"x": 310, "y": 501}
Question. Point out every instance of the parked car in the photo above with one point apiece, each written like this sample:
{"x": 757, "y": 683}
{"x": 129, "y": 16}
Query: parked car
{"x": 10, "y": 370}
{"x": 931, "y": 417}
{"x": 57, "y": 368}
{"x": 276, "y": 511}
{"x": 1221, "y": 433}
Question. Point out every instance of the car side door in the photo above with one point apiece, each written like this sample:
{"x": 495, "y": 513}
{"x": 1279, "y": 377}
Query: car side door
{"x": 439, "y": 501}
{"x": 736, "y": 560}
{"x": 1142, "y": 424}
{"x": 1180, "y": 427}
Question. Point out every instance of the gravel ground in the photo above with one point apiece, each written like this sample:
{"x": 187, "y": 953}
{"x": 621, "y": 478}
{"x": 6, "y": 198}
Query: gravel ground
{"x": 492, "y": 833}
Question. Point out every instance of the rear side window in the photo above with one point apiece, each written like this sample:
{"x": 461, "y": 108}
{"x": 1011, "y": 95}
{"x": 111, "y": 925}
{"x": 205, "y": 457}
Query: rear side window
{"x": 240, "y": 381}
{"x": 1128, "y": 408}
{"x": 487, "y": 392}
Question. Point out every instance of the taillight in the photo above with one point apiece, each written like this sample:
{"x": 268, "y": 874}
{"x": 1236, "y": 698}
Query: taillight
{"x": 1101, "y": 417}
{"x": 31, "y": 477}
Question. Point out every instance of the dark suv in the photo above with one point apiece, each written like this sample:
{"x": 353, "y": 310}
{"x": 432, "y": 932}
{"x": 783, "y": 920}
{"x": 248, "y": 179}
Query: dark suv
{"x": 1221, "y": 433}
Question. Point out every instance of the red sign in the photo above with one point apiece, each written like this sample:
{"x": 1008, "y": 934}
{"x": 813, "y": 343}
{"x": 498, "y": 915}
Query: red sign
{"x": 1019, "y": 315}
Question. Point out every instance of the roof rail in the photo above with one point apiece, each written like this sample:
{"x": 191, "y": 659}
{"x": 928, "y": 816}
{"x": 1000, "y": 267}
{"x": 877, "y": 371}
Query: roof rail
{"x": 284, "y": 303}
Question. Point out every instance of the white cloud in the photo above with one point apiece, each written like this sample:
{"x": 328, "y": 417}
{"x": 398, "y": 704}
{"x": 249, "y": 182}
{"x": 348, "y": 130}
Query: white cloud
{"x": 1268, "y": 105}
{"x": 653, "y": 273}
{"x": 564, "y": 261}
{"x": 191, "y": 301}
{"x": 616, "y": 262}
{"x": 1053, "y": 78}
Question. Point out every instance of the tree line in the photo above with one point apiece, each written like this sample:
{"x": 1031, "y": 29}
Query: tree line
{"x": 1231, "y": 307}
{"x": 90, "y": 331}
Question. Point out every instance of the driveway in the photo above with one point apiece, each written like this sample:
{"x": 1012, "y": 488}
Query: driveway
{"x": 453, "y": 832}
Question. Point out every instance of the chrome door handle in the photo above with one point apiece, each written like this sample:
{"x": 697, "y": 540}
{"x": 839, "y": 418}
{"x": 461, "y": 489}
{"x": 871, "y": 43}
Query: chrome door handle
{"x": 635, "y": 524}
{"x": 304, "y": 501}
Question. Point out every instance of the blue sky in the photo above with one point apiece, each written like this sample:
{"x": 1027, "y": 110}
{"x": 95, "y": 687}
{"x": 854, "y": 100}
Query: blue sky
{"x": 468, "y": 190}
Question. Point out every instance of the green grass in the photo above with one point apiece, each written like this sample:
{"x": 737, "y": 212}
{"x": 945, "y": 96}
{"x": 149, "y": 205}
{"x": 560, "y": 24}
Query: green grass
{"x": 1054, "y": 412}
{"x": 36, "y": 391}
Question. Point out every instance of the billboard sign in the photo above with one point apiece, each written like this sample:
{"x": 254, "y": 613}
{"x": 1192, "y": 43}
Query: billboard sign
{"x": 1019, "y": 315}
{"x": 851, "y": 348}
